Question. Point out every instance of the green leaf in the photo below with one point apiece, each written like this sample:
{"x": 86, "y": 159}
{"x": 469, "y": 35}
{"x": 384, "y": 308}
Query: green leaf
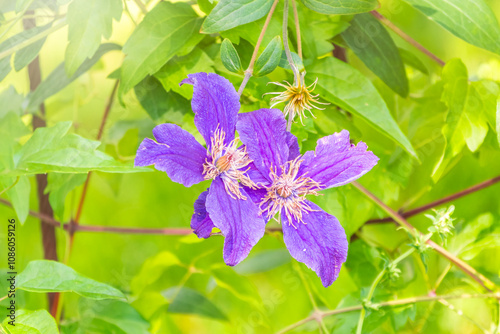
{"x": 488, "y": 242}
{"x": 229, "y": 14}
{"x": 269, "y": 58}
{"x": 152, "y": 269}
{"x": 474, "y": 124}
{"x": 489, "y": 93}
{"x": 59, "y": 186}
{"x": 263, "y": 261}
{"x": 241, "y": 287}
{"x": 19, "y": 195}
{"x": 167, "y": 30}
{"x": 11, "y": 129}
{"x": 229, "y": 56}
{"x": 178, "y": 69}
{"x": 410, "y": 59}
{"x": 32, "y": 322}
{"x": 369, "y": 40}
{"x": 469, "y": 234}
{"x": 109, "y": 316}
{"x": 52, "y": 276}
{"x": 466, "y": 122}
{"x": 497, "y": 127}
{"x": 189, "y": 301}
{"x": 24, "y": 56}
{"x": 342, "y": 7}
{"x": 247, "y": 35}
{"x": 206, "y": 6}
{"x": 21, "y": 5}
{"x": 88, "y": 22}
{"x": 53, "y": 150}
{"x": 57, "y": 80}
{"x": 4, "y": 67}
{"x": 471, "y": 20}
{"x": 155, "y": 100}
{"x": 346, "y": 87}
{"x": 11, "y": 101}
{"x": 296, "y": 59}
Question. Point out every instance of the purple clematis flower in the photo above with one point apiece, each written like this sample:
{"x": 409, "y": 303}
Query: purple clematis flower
{"x": 311, "y": 235}
{"x": 225, "y": 204}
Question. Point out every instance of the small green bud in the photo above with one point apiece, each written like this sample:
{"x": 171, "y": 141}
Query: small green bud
{"x": 442, "y": 223}
{"x": 229, "y": 56}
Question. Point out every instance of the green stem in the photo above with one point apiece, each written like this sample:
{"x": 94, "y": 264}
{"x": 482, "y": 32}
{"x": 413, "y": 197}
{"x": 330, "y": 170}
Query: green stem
{"x": 362, "y": 314}
{"x": 249, "y": 70}
{"x": 467, "y": 269}
{"x": 286, "y": 46}
{"x": 374, "y": 286}
{"x": 297, "y": 29}
{"x": 33, "y": 39}
{"x": 442, "y": 276}
{"x": 392, "y": 303}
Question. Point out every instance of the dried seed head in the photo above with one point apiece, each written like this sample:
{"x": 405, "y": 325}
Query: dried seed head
{"x": 298, "y": 99}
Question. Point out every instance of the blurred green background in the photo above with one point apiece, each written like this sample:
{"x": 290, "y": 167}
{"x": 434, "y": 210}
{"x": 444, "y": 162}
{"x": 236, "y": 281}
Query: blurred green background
{"x": 269, "y": 290}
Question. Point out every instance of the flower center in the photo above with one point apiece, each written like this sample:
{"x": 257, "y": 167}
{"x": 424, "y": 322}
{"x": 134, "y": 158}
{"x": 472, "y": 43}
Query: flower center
{"x": 227, "y": 162}
{"x": 288, "y": 192}
{"x": 223, "y": 163}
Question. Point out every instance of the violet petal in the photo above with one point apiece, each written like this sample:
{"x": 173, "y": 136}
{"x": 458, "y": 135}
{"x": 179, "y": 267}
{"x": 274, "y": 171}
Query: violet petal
{"x": 215, "y": 103}
{"x": 177, "y": 153}
{"x": 263, "y": 133}
{"x": 319, "y": 242}
{"x": 201, "y": 222}
{"x": 238, "y": 220}
{"x": 336, "y": 161}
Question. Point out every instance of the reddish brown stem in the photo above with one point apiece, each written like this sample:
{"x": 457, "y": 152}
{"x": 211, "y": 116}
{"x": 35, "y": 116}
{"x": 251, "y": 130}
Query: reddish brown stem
{"x": 105, "y": 115}
{"x": 406, "y": 37}
{"x": 134, "y": 230}
{"x": 438, "y": 202}
{"x": 48, "y": 231}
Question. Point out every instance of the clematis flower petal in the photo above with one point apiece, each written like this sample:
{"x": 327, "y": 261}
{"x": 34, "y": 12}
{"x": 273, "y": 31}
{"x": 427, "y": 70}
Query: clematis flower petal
{"x": 336, "y": 161}
{"x": 256, "y": 195}
{"x": 319, "y": 242}
{"x": 293, "y": 146}
{"x": 215, "y": 103}
{"x": 201, "y": 222}
{"x": 238, "y": 220}
{"x": 264, "y": 133}
{"x": 176, "y": 152}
